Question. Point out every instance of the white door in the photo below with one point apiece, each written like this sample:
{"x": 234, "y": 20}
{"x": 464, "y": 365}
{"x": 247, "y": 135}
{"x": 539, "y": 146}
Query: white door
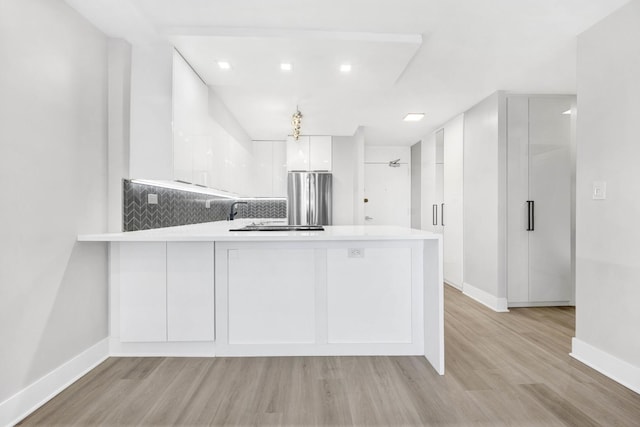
{"x": 388, "y": 193}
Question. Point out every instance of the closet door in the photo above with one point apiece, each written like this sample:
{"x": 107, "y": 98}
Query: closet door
{"x": 539, "y": 170}
{"x": 517, "y": 196}
{"x": 550, "y": 190}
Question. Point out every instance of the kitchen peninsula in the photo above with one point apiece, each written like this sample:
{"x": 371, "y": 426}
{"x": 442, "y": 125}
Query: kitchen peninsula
{"x": 202, "y": 290}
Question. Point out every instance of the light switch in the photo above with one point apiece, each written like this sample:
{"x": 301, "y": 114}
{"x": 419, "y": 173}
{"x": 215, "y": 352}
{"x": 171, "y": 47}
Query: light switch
{"x": 152, "y": 199}
{"x": 599, "y": 190}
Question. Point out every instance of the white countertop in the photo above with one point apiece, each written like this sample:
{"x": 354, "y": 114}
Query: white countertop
{"x": 219, "y": 231}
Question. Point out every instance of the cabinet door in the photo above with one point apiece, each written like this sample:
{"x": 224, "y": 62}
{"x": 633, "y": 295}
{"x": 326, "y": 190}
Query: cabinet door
{"x": 143, "y": 292}
{"x": 263, "y": 168}
{"x": 539, "y": 170}
{"x": 451, "y": 215}
{"x": 271, "y": 296}
{"x": 369, "y": 297}
{"x": 320, "y": 153}
{"x": 190, "y": 291}
{"x": 279, "y": 169}
{"x": 298, "y": 154}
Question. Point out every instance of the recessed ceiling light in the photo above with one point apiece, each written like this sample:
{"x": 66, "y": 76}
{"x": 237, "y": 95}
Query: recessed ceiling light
{"x": 286, "y": 66}
{"x": 413, "y": 117}
{"x": 224, "y": 65}
{"x": 568, "y": 111}
{"x": 345, "y": 68}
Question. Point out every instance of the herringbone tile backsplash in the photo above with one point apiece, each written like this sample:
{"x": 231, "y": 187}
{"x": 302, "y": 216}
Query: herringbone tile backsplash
{"x": 178, "y": 207}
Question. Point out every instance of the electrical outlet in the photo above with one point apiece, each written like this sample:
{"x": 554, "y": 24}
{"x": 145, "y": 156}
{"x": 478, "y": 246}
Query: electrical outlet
{"x": 152, "y": 199}
{"x": 356, "y": 253}
{"x": 599, "y": 190}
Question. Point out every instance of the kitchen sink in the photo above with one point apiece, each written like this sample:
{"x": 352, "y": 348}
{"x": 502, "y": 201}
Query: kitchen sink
{"x": 279, "y": 228}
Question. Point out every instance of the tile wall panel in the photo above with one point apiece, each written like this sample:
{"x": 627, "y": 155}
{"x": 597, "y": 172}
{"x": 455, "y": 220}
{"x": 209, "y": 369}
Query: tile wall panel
{"x": 178, "y": 207}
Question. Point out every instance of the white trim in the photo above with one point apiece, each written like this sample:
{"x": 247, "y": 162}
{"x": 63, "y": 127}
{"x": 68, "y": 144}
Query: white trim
{"x": 618, "y": 370}
{"x": 30, "y": 398}
{"x": 542, "y": 304}
{"x": 161, "y": 349}
{"x": 485, "y": 298}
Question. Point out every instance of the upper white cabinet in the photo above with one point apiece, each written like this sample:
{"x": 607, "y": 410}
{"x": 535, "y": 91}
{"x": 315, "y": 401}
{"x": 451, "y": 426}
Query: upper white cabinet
{"x": 269, "y": 169}
{"x": 320, "y": 153}
{"x": 204, "y": 153}
{"x": 309, "y": 153}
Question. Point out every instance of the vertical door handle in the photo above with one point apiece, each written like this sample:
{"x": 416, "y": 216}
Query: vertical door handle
{"x": 533, "y": 215}
{"x": 530, "y": 215}
{"x": 442, "y": 214}
{"x": 434, "y": 215}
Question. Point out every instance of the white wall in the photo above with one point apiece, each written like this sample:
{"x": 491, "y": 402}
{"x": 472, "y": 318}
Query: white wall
{"x": 53, "y": 151}
{"x": 484, "y": 199}
{"x": 608, "y": 236}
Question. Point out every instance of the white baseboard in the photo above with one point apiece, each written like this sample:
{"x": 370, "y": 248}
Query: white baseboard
{"x": 485, "y": 298}
{"x": 618, "y": 370}
{"x": 162, "y": 349}
{"x": 41, "y": 391}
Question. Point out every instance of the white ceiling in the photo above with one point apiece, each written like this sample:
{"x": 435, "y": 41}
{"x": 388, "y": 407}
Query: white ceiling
{"x": 434, "y": 56}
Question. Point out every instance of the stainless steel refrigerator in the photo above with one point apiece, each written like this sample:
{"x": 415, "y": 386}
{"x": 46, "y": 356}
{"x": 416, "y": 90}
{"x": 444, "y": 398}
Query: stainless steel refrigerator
{"x": 309, "y": 198}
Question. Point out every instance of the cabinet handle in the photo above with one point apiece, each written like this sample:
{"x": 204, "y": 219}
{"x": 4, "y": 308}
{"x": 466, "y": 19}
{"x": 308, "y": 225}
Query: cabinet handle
{"x": 434, "y": 215}
{"x": 442, "y": 214}
{"x": 530, "y": 215}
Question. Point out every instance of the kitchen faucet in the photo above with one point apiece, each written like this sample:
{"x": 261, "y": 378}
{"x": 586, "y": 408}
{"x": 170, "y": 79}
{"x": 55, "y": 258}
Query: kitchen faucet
{"x": 233, "y": 214}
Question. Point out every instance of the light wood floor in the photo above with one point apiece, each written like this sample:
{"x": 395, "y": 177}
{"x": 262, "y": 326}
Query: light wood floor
{"x": 502, "y": 369}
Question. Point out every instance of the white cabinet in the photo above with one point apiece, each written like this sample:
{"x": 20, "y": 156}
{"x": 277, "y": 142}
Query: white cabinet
{"x": 166, "y": 291}
{"x": 271, "y": 296}
{"x": 190, "y": 291}
{"x": 442, "y": 180}
{"x": 298, "y": 154}
{"x": 321, "y": 297}
{"x": 451, "y": 209}
{"x": 143, "y": 295}
{"x": 320, "y": 153}
{"x": 539, "y": 224}
{"x": 369, "y": 298}
{"x": 270, "y": 169}
{"x": 309, "y": 153}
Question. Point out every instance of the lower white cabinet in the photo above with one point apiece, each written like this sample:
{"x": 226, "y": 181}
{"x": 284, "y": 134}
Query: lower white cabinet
{"x": 271, "y": 296}
{"x": 190, "y": 291}
{"x": 369, "y": 297}
{"x": 166, "y": 291}
{"x": 319, "y": 298}
{"x": 143, "y": 292}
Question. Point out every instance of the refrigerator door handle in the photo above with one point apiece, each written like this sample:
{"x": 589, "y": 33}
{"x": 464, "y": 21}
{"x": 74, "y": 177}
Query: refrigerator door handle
{"x": 434, "y": 214}
{"x": 313, "y": 208}
{"x": 442, "y": 214}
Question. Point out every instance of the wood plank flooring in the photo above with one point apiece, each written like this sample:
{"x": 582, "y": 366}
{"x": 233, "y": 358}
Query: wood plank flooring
{"x": 502, "y": 369}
